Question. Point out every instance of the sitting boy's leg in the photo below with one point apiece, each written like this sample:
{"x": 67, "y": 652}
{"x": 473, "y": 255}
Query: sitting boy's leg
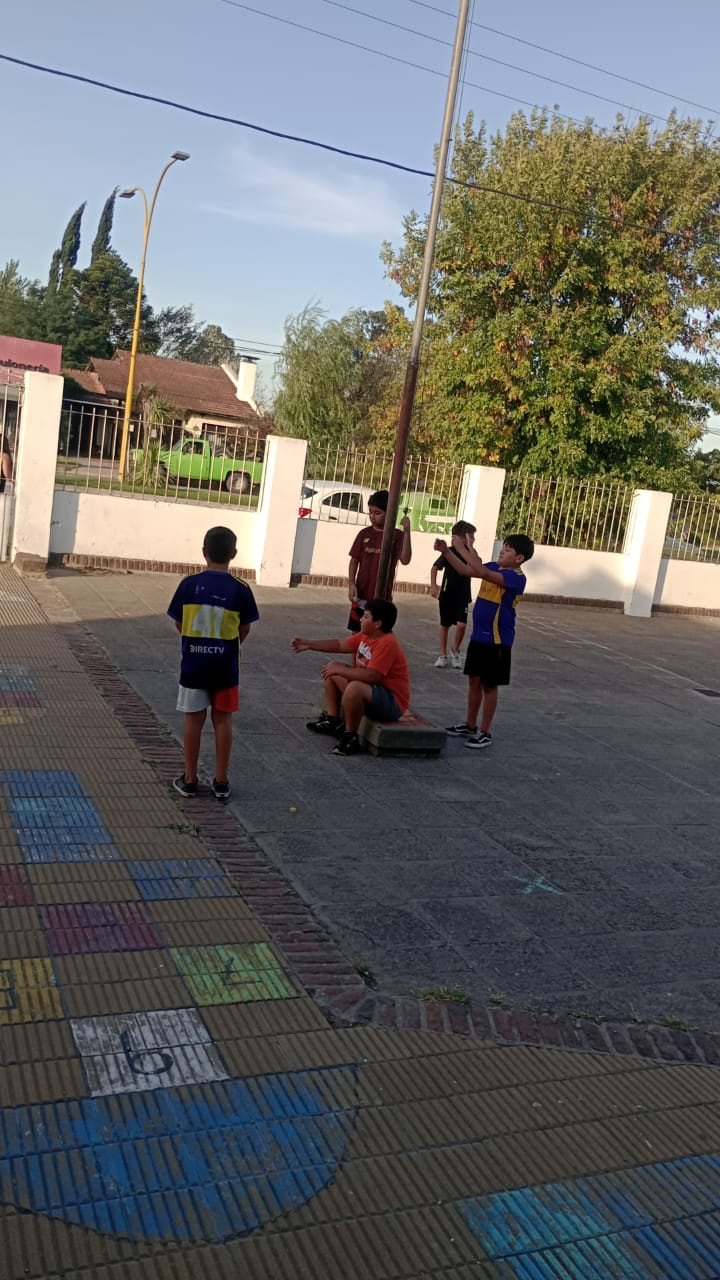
{"x": 356, "y": 699}
{"x": 335, "y": 687}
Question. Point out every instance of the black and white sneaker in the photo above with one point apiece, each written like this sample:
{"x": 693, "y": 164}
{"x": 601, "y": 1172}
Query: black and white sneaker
{"x": 220, "y": 790}
{"x": 347, "y": 745}
{"x": 460, "y": 730}
{"x": 187, "y": 789}
{"x": 324, "y": 724}
{"x": 479, "y": 741}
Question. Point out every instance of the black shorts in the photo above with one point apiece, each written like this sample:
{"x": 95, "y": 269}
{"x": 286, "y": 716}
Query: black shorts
{"x": 452, "y": 611}
{"x": 489, "y": 663}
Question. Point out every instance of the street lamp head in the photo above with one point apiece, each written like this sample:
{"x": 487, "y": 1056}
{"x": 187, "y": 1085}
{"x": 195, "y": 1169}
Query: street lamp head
{"x": 180, "y": 155}
{"x": 127, "y": 195}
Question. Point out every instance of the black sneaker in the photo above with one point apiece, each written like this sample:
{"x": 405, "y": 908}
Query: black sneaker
{"x": 187, "y": 789}
{"x": 348, "y": 745}
{"x": 324, "y": 724}
{"x": 220, "y": 790}
{"x": 460, "y": 730}
{"x": 479, "y": 741}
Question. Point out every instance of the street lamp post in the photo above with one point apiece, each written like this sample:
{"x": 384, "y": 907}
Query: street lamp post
{"x": 148, "y": 211}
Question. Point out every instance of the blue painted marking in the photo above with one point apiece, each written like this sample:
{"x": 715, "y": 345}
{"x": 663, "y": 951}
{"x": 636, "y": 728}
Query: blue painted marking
{"x": 53, "y": 819}
{"x": 234, "y": 1155}
{"x": 11, "y": 682}
{"x": 656, "y": 1222}
{"x": 179, "y": 878}
{"x": 40, "y": 782}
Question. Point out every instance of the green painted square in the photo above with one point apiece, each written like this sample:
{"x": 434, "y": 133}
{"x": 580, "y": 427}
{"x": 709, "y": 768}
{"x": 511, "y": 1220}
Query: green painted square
{"x": 233, "y": 975}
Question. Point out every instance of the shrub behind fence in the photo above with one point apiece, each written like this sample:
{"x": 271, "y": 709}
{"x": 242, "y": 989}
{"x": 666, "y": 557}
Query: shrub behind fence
{"x": 588, "y": 514}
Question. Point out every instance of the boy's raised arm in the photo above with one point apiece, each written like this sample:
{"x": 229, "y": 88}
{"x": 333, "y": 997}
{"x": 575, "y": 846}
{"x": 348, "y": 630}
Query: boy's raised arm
{"x": 472, "y": 567}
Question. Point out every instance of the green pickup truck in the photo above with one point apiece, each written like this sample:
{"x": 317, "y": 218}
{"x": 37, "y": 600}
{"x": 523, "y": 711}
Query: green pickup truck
{"x": 205, "y": 461}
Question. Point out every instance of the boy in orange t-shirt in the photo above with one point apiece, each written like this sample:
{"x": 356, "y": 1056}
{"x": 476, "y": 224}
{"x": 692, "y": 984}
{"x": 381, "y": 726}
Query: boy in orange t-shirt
{"x": 377, "y": 683}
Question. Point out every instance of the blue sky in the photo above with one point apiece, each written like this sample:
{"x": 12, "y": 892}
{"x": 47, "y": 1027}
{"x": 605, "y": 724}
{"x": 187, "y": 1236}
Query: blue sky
{"x": 251, "y": 229}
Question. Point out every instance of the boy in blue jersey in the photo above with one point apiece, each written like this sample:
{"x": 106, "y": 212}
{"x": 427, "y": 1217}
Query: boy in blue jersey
{"x": 213, "y": 613}
{"x": 487, "y": 663}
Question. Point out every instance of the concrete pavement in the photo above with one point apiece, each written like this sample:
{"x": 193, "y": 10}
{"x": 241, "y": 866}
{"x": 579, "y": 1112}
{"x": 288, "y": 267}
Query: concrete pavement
{"x": 574, "y": 867}
{"x": 174, "y": 1105}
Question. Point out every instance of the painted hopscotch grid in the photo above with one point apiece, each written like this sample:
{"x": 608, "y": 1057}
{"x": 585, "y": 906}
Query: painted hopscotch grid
{"x": 160, "y": 879}
{"x": 53, "y": 819}
{"x": 19, "y": 698}
{"x": 212, "y": 1161}
{"x": 15, "y": 888}
{"x": 233, "y": 974}
{"x": 28, "y": 991}
{"x": 87, "y": 927}
{"x": 155, "y": 1050}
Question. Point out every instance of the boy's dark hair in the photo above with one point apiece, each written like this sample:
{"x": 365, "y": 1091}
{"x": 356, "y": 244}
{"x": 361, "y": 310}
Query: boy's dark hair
{"x": 379, "y": 499}
{"x": 462, "y": 529}
{"x": 220, "y": 545}
{"x": 521, "y": 545}
{"x": 384, "y": 612}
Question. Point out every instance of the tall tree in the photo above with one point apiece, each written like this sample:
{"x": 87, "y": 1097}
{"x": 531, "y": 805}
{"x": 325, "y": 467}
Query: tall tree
{"x": 182, "y": 337}
{"x": 65, "y": 258}
{"x": 21, "y": 304}
{"x": 581, "y": 333}
{"x": 213, "y": 347}
{"x": 332, "y": 373}
{"x": 178, "y": 331}
{"x": 105, "y": 296}
{"x": 101, "y": 243}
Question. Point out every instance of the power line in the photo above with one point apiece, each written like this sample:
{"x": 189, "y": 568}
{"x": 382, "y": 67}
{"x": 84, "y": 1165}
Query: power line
{"x": 485, "y": 188}
{"x": 486, "y": 57}
{"x": 589, "y": 66}
{"x": 389, "y": 57}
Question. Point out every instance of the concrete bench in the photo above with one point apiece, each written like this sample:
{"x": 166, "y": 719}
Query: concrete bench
{"x": 411, "y": 735}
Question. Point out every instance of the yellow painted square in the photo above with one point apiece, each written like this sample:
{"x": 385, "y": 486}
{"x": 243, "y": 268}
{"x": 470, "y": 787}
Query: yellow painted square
{"x": 28, "y": 992}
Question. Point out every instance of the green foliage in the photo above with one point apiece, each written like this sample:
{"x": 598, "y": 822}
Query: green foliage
{"x": 21, "y": 304}
{"x": 182, "y": 337}
{"x": 581, "y": 339}
{"x": 106, "y": 293}
{"x": 333, "y": 373}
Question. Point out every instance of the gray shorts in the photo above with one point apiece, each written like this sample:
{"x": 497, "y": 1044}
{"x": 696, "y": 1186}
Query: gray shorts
{"x": 383, "y": 705}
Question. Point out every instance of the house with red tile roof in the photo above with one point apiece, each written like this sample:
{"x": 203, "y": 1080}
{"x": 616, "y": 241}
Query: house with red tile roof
{"x": 203, "y": 395}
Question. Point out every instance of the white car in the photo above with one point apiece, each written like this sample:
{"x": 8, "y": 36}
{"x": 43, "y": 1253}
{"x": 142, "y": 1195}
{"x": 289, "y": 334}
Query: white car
{"x": 335, "y": 500}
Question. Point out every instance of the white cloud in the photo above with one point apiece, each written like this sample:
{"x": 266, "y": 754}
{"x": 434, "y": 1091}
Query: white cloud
{"x": 282, "y": 194}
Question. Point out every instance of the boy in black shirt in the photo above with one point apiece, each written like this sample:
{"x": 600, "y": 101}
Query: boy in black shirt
{"x": 454, "y": 594}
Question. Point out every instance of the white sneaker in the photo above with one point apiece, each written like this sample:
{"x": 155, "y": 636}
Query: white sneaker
{"x": 457, "y": 662}
{"x": 441, "y": 661}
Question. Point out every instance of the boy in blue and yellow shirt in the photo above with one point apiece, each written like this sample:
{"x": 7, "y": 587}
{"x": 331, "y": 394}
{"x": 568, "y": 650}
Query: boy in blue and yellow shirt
{"x": 487, "y": 663}
{"x": 213, "y": 613}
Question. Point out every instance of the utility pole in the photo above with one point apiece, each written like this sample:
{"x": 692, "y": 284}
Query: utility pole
{"x": 411, "y": 373}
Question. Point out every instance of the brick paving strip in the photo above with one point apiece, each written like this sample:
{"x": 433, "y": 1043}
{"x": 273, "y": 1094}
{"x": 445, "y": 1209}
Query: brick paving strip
{"x": 174, "y": 1106}
{"x": 324, "y": 971}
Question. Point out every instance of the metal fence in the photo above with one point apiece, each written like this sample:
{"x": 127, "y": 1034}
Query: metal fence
{"x": 693, "y": 531}
{"x": 340, "y": 482}
{"x": 218, "y": 465}
{"x": 591, "y": 515}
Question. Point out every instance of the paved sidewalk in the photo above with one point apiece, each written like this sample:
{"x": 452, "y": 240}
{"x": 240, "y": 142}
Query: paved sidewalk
{"x": 574, "y": 867}
{"x": 175, "y": 1106}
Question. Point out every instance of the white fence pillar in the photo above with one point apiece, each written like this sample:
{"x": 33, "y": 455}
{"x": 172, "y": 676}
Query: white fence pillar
{"x": 35, "y": 465}
{"x": 276, "y": 527}
{"x": 482, "y": 492}
{"x": 643, "y": 550}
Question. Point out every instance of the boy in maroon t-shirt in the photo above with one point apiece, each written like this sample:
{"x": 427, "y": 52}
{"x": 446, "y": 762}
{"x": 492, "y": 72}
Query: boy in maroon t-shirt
{"x": 365, "y": 557}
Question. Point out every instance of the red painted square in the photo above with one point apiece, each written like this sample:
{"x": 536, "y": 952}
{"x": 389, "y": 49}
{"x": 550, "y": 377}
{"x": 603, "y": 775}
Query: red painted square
{"x": 83, "y": 927}
{"x": 15, "y": 890}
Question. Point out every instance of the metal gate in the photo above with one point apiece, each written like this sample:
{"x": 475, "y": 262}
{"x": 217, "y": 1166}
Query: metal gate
{"x": 11, "y": 394}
